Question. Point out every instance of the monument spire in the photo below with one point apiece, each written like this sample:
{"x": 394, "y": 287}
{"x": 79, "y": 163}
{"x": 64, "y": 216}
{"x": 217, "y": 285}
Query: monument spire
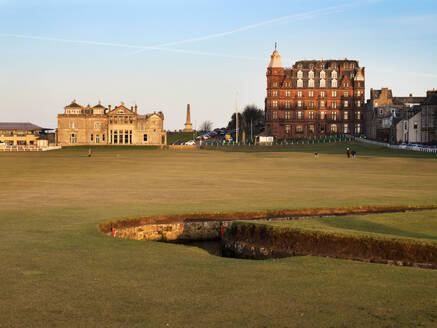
{"x": 188, "y": 125}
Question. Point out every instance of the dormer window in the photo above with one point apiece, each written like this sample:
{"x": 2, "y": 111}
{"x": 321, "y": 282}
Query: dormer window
{"x": 311, "y": 83}
{"x": 322, "y": 75}
{"x": 334, "y": 74}
{"x": 334, "y": 83}
{"x": 323, "y": 83}
{"x": 299, "y": 74}
{"x": 299, "y": 83}
{"x": 311, "y": 74}
{"x": 120, "y": 111}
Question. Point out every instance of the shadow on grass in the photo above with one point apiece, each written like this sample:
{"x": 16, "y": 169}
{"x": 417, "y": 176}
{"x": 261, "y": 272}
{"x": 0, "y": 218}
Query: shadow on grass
{"x": 367, "y": 226}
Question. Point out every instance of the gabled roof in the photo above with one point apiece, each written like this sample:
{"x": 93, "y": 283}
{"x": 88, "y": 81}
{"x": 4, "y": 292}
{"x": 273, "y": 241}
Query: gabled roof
{"x": 19, "y": 126}
{"x": 123, "y": 108}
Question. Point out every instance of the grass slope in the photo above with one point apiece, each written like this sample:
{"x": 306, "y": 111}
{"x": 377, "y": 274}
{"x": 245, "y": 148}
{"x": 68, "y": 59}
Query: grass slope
{"x": 421, "y": 226}
{"x": 59, "y": 270}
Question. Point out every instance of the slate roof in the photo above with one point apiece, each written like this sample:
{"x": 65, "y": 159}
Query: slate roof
{"x": 408, "y": 100}
{"x": 73, "y": 105}
{"x": 19, "y": 126}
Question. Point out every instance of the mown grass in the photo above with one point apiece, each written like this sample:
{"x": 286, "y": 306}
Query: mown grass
{"x": 421, "y": 226}
{"x": 59, "y": 270}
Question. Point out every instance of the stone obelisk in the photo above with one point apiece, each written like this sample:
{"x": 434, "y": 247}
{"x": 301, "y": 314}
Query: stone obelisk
{"x": 188, "y": 125}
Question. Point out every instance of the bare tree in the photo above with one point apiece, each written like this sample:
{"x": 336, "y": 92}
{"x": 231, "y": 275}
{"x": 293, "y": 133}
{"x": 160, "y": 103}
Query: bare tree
{"x": 206, "y": 126}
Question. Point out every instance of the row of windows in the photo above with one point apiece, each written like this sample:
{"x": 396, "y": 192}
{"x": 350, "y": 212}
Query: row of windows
{"x": 333, "y": 128}
{"x": 322, "y": 93}
{"x": 310, "y": 115}
{"x": 97, "y": 138}
{"x": 322, "y": 84}
{"x": 322, "y": 74}
{"x": 116, "y": 137}
{"x": 312, "y": 104}
{"x": 121, "y": 137}
{"x": 332, "y": 66}
{"x": 121, "y": 120}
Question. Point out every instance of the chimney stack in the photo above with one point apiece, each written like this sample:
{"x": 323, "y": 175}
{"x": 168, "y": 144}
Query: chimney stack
{"x": 136, "y": 108}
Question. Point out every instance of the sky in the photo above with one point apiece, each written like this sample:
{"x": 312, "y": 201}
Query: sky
{"x": 162, "y": 55}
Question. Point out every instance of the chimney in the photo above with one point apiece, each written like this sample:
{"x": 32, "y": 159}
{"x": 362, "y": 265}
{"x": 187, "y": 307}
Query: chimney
{"x": 131, "y": 108}
{"x": 136, "y": 108}
{"x": 109, "y": 107}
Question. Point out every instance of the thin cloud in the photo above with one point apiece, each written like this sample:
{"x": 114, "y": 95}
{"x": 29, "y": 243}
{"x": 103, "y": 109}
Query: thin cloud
{"x": 164, "y": 47}
{"x": 295, "y": 17}
{"x": 123, "y": 45}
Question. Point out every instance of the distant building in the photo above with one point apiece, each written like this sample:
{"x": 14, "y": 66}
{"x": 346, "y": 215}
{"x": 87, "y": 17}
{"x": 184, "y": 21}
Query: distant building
{"x": 400, "y": 119}
{"x": 98, "y": 125}
{"x": 429, "y": 117}
{"x": 23, "y": 134}
{"x": 408, "y": 127}
{"x": 314, "y": 98}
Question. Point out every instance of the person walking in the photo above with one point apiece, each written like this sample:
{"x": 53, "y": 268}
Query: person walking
{"x": 348, "y": 152}
{"x": 354, "y": 153}
{"x": 90, "y": 152}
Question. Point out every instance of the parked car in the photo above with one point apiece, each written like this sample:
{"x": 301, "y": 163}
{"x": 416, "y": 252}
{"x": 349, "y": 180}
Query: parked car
{"x": 190, "y": 143}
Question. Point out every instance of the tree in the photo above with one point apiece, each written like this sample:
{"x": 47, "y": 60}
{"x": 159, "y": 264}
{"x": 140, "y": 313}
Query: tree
{"x": 206, "y": 126}
{"x": 251, "y": 120}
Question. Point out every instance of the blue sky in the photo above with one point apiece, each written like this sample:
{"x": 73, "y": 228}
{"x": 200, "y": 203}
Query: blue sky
{"x": 163, "y": 55}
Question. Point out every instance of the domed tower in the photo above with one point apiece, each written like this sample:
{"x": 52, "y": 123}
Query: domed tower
{"x": 275, "y": 76}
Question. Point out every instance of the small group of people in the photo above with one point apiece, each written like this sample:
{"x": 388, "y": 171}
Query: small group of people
{"x": 350, "y": 152}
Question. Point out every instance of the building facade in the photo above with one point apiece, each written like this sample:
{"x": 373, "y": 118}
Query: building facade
{"x": 383, "y": 112}
{"x": 314, "y": 98}
{"x": 98, "y": 125}
{"x": 23, "y": 134}
{"x": 429, "y": 118}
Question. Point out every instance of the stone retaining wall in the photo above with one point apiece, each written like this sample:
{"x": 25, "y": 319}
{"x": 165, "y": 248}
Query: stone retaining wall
{"x": 200, "y": 230}
{"x": 258, "y": 241}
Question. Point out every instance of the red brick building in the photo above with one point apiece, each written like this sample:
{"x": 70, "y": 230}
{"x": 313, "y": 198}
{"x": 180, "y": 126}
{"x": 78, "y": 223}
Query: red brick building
{"x": 314, "y": 98}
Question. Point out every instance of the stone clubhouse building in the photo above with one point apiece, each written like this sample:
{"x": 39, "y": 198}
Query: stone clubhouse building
{"x": 314, "y": 98}
{"x": 100, "y": 125}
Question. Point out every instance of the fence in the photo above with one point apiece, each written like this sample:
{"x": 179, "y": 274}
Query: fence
{"x": 400, "y": 147}
{"x": 27, "y": 148}
{"x": 299, "y": 141}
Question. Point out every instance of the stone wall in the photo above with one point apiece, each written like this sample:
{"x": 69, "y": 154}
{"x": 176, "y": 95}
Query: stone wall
{"x": 200, "y": 230}
{"x": 259, "y": 241}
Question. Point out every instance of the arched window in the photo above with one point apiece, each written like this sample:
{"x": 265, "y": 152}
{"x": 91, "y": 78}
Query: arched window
{"x": 322, "y": 75}
{"x": 334, "y": 128}
{"x": 299, "y": 83}
{"x": 311, "y": 74}
{"x": 311, "y": 83}
{"x": 334, "y": 74}
{"x": 323, "y": 83}
{"x": 334, "y": 83}
{"x": 299, "y": 74}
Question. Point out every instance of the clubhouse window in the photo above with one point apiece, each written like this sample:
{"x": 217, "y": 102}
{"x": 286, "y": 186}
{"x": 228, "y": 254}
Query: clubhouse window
{"x": 299, "y": 128}
{"x": 145, "y": 137}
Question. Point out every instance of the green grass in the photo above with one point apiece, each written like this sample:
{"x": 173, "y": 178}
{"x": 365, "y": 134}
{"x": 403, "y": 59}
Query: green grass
{"x": 361, "y": 148}
{"x": 57, "y": 269}
{"x": 420, "y": 225}
{"x": 181, "y": 136}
